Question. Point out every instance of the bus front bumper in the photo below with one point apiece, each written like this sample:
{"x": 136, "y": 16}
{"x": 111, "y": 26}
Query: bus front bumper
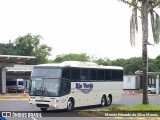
{"x": 49, "y": 104}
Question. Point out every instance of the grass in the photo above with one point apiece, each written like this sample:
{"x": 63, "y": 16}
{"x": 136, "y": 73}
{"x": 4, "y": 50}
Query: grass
{"x": 139, "y": 107}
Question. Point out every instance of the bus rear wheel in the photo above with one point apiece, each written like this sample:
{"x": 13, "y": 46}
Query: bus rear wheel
{"x": 109, "y": 100}
{"x": 103, "y": 101}
{"x": 70, "y": 105}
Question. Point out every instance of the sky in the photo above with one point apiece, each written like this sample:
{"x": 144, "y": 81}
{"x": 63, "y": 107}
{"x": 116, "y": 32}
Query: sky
{"x": 97, "y": 27}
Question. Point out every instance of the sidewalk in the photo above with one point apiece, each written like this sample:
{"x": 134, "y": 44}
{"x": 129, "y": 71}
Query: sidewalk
{"x": 132, "y": 92}
{"x": 135, "y": 92}
{"x": 14, "y": 96}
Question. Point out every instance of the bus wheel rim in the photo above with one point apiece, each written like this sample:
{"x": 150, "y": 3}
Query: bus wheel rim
{"x": 108, "y": 100}
{"x": 103, "y": 101}
{"x": 69, "y": 105}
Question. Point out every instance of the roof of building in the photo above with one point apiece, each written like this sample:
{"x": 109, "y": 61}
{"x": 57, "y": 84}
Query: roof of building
{"x": 10, "y": 60}
{"x": 139, "y": 72}
{"x": 17, "y": 69}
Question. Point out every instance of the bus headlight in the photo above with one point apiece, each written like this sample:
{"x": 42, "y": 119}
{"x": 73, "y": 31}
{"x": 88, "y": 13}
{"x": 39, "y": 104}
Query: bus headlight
{"x": 56, "y": 101}
{"x": 32, "y": 99}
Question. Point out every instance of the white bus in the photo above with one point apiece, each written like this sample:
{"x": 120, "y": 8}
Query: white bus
{"x": 73, "y": 84}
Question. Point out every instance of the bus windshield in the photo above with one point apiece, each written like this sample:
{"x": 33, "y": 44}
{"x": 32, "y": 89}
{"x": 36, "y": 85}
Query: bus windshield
{"x": 46, "y": 72}
{"x": 45, "y": 87}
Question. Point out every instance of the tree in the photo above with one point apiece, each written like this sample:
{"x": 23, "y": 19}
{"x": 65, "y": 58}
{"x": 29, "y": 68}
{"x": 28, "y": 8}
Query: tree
{"x": 145, "y": 7}
{"x": 42, "y": 52}
{"x": 157, "y": 61}
{"x": 105, "y": 61}
{"x": 6, "y": 49}
{"x": 29, "y": 45}
{"x": 72, "y": 57}
{"x": 152, "y": 65}
{"x": 130, "y": 65}
{"x": 119, "y": 62}
{"x": 26, "y": 45}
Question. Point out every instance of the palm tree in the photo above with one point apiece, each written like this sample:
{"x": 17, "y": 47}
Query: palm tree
{"x": 145, "y": 7}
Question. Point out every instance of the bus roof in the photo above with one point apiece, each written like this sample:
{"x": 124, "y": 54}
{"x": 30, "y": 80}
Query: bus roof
{"x": 78, "y": 64}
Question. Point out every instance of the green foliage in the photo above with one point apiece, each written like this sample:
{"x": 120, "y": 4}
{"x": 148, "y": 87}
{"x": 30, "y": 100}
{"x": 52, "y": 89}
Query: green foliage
{"x": 72, "y": 57}
{"x": 42, "y": 52}
{"x": 132, "y": 64}
{"x": 119, "y": 62}
{"x": 138, "y": 107}
{"x": 141, "y": 107}
{"x": 6, "y": 49}
{"x": 104, "y": 61}
{"x": 28, "y": 45}
{"x": 157, "y": 62}
{"x": 25, "y": 45}
{"x": 113, "y": 107}
{"x": 153, "y": 66}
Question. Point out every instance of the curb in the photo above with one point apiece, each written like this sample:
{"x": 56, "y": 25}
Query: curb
{"x": 13, "y": 97}
{"x": 136, "y": 94}
{"x": 83, "y": 113}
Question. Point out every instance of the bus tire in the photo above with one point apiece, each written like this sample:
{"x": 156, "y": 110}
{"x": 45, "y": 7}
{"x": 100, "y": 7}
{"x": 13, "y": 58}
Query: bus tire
{"x": 70, "y": 105}
{"x": 103, "y": 101}
{"x": 43, "y": 109}
{"x": 109, "y": 100}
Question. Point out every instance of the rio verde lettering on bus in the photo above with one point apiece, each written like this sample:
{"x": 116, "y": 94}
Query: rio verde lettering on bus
{"x": 84, "y": 85}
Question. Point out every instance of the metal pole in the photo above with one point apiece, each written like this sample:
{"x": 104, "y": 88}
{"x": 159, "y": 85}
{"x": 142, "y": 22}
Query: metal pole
{"x": 157, "y": 84}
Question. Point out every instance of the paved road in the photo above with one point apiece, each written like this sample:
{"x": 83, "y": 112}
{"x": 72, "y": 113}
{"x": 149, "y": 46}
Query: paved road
{"x": 22, "y": 105}
{"x": 137, "y": 99}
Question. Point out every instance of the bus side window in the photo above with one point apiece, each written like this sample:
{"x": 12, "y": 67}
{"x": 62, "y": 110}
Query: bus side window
{"x": 75, "y": 74}
{"x": 100, "y": 74}
{"x": 65, "y": 87}
{"x": 66, "y": 73}
{"x": 84, "y": 74}
{"x": 92, "y": 74}
{"x": 114, "y": 75}
{"x": 120, "y": 75}
{"x": 108, "y": 75}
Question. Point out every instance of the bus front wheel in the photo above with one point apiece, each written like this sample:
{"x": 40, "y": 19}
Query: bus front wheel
{"x": 43, "y": 109}
{"x": 70, "y": 105}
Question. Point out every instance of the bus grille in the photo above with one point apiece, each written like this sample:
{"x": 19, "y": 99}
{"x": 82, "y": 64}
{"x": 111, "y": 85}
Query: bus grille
{"x": 42, "y": 105}
{"x": 42, "y": 101}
